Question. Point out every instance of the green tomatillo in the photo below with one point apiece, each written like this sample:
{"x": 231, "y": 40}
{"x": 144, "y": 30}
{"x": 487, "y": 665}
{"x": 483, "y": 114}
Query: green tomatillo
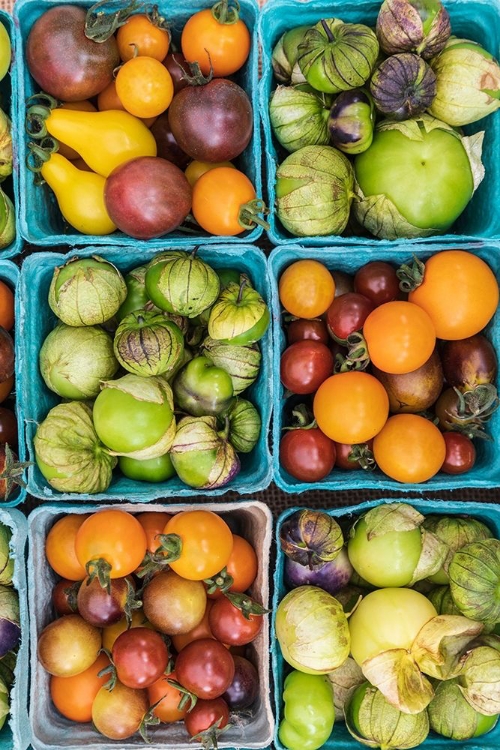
{"x": 147, "y": 343}
{"x": 151, "y": 470}
{"x": 309, "y": 714}
{"x": 240, "y": 316}
{"x": 201, "y": 388}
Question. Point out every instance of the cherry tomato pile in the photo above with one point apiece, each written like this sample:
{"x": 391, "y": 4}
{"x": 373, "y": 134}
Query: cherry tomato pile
{"x": 125, "y": 114}
{"x": 388, "y": 368}
{"x": 152, "y": 621}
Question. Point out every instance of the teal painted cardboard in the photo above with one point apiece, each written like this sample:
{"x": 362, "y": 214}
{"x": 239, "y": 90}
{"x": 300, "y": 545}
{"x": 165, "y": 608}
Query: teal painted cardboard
{"x": 9, "y": 273}
{"x": 340, "y": 739}
{"x": 254, "y": 728}
{"x": 15, "y": 734}
{"x": 8, "y": 102}
{"x": 41, "y": 222}
{"x": 36, "y": 320}
{"x": 486, "y": 472}
{"x": 478, "y": 20}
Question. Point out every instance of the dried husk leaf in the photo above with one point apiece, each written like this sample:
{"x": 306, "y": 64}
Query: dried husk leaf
{"x": 473, "y": 145}
{"x": 380, "y": 217}
{"x": 345, "y": 679}
{"x": 299, "y": 118}
{"x": 480, "y": 680}
{"x": 456, "y": 532}
{"x": 434, "y": 553}
{"x": 441, "y": 598}
{"x": 242, "y": 363}
{"x": 197, "y": 438}
{"x": 450, "y": 714}
{"x": 441, "y": 642}
{"x": 396, "y": 674}
{"x": 400, "y": 27}
{"x": 391, "y": 517}
{"x": 474, "y": 580}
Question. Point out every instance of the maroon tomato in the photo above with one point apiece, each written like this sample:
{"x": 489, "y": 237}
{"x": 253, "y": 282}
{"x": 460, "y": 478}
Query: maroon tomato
{"x": 347, "y": 314}
{"x": 343, "y": 283}
{"x": 460, "y": 453}
{"x": 229, "y": 624}
{"x": 140, "y": 656}
{"x": 305, "y": 365}
{"x": 308, "y": 455}
{"x": 207, "y": 716}
{"x": 8, "y": 426}
{"x": 205, "y": 667}
{"x": 377, "y": 281}
{"x": 64, "y": 597}
{"x": 311, "y": 330}
{"x": 168, "y": 147}
{"x": 178, "y": 68}
{"x": 100, "y": 608}
{"x": 350, "y": 457}
{"x": 244, "y": 688}
{"x": 469, "y": 362}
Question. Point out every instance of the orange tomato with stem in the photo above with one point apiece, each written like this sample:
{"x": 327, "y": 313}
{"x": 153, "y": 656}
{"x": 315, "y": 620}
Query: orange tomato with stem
{"x": 216, "y": 38}
{"x": 409, "y": 448}
{"x": 167, "y": 699}
{"x": 225, "y": 202}
{"x": 204, "y": 542}
{"x": 242, "y": 567}
{"x": 144, "y": 87}
{"x": 142, "y": 35}
{"x": 60, "y": 547}
{"x": 306, "y": 289}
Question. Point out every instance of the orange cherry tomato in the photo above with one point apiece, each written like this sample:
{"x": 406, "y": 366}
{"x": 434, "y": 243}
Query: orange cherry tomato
{"x": 167, "y": 709}
{"x": 73, "y": 696}
{"x": 153, "y": 524}
{"x": 109, "y": 99}
{"x": 114, "y": 536}
{"x": 140, "y": 36}
{"x": 60, "y": 547}
{"x": 242, "y": 566}
{"x": 409, "y": 448}
{"x": 6, "y": 306}
{"x": 202, "y": 630}
{"x": 195, "y": 169}
{"x": 81, "y": 106}
{"x": 400, "y": 337}
{"x": 206, "y": 540}
{"x": 6, "y": 388}
{"x": 218, "y": 197}
{"x": 212, "y": 43}
{"x": 351, "y": 407}
{"x": 306, "y": 289}
{"x": 144, "y": 87}
{"x": 459, "y": 293}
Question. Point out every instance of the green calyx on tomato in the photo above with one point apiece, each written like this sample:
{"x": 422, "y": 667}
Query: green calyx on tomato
{"x": 201, "y": 388}
{"x": 309, "y": 713}
{"x": 240, "y": 316}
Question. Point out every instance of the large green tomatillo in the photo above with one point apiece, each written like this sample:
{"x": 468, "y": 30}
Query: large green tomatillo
{"x": 74, "y": 360}
{"x": 299, "y": 117}
{"x": 147, "y": 343}
{"x": 309, "y": 714}
{"x": 69, "y": 453}
{"x": 314, "y": 190}
{"x": 416, "y": 178}
{"x": 86, "y": 291}
{"x": 201, "y": 388}
{"x": 239, "y": 317}
{"x": 335, "y": 56}
{"x": 7, "y": 220}
{"x": 134, "y": 416}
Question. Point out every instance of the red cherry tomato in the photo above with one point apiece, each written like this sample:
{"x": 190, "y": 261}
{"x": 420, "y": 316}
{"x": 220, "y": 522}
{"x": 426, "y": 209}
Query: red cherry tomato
{"x": 231, "y": 626}
{"x": 205, "y": 667}
{"x": 377, "y": 281}
{"x": 460, "y": 453}
{"x": 207, "y": 715}
{"x": 311, "y": 330}
{"x": 140, "y": 656}
{"x": 347, "y": 314}
{"x": 308, "y": 455}
{"x": 305, "y": 365}
{"x": 347, "y": 455}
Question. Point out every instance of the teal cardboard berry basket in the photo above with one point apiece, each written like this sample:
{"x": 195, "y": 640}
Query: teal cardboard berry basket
{"x": 478, "y": 20}
{"x": 9, "y": 274}
{"x": 41, "y": 222}
{"x": 485, "y": 473}
{"x": 15, "y": 733}
{"x": 8, "y": 102}
{"x": 36, "y": 399}
{"x": 340, "y": 738}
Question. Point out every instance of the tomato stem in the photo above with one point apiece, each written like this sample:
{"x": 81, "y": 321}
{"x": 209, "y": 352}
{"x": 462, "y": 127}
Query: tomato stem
{"x": 72, "y": 594}
{"x": 411, "y": 275}
{"x": 13, "y": 472}
{"x": 99, "y": 568}
{"x": 208, "y": 738}
{"x": 39, "y": 153}
{"x": 187, "y": 696}
{"x": 159, "y": 21}
{"x": 37, "y": 113}
{"x": 220, "y": 582}
{"x": 248, "y": 216}
{"x": 362, "y": 455}
{"x": 246, "y": 604}
{"x": 357, "y": 357}
{"x": 224, "y": 13}
{"x": 100, "y": 26}
{"x": 132, "y": 602}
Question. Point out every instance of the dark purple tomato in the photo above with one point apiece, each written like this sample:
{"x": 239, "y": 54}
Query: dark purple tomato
{"x": 308, "y": 455}
{"x": 178, "y": 67}
{"x": 64, "y": 597}
{"x": 469, "y": 362}
{"x": 8, "y": 427}
{"x": 377, "y": 281}
{"x": 167, "y": 145}
{"x": 446, "y": 410}
{"x": 98, "y": 607}
{"x": 351, "y": 457}
{"x": 343, "y": 283}
{"x": 460, "y": 453}
{"x": 305, "y": 365}
{"x": 311, "y": 330}
{"x": 212, "y": 122}
{"x": 147, "y": 197}
{"x": 244, "y": 689}
{"x": 347, "y": 314}
{"x": 415, "y": 391}
{"x": 63, "y": 61}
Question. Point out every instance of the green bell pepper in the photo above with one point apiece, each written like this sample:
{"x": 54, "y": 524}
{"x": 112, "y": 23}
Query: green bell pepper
{"x": 309, "y": 711}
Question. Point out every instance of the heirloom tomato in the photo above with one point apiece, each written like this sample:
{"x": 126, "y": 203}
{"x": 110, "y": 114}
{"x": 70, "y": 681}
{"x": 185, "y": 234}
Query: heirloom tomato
{"x": 306, "y": 289}
{"x": 409, "y": 448}
{"x": 216, "y": 39}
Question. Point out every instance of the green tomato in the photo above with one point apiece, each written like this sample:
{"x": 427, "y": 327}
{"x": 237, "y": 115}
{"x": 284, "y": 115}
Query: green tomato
{"x": 309, "y": 712}
{"x": 202, "y": 389}
{"x": 5, "y": 51}
{"x": 151, "y": 470}
{"x": 387, "y": 560}
{"x": 125, "y": 424}
{"x": 386, "y": 619}
{"x": 485, "y": 724}
{"x": 429, "y": 181}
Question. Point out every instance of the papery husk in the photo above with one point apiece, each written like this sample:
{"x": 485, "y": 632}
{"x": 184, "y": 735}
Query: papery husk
{"x": 229, "y": 319}
{"x": 7, "y": 220}
{"x": 135, "y": 280}
{"x": 479, "y": 680}
{"x": 396, "y": 674}
{"x": 345, "y": 679}
{"x": 438, "y": 647}
{"x": 5, "y": 146}
{"x": 311, "y": 537}
{"x": 184, "y": 285}
{"x": 382, "y": 725}
{"x": 244, "y": 425}
{"x": 450, "y": 714}
{"x": 242, "y": 363}
{"x": 299, "y": 118}
{"x": 146, "y": 343}
{"x": 400, "y": 28}
{"x": 284, "y": 56}
{"x": 456, "y": 532}
{"x": 467, "y": 83}
{"x": 67, "y": 442}
{"x": 475, "y": 580}
{"x": 441, "y": 598}
{"x": 6, "y": 560}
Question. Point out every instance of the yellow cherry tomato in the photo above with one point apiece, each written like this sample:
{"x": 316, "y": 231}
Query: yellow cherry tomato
{"x": 144, "y": 87}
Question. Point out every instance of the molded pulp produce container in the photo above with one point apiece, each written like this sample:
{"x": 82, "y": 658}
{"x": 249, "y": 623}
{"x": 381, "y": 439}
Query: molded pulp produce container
{"x": 15, "y": 733}
{"x": 9, "y": 273}
{"x": 340, "y": 738}
{"x": 485, "y": 473}
{"x": 8, "y": 102}
{"x": 478, "y": 20}
{"x": 40, "y": 219}
{"x": 50, "y": 730}
{"x": 37, "y": 320}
